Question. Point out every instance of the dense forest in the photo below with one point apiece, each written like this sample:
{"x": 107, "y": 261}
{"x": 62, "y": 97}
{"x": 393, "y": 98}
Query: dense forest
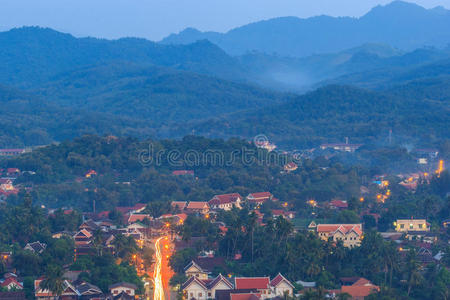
{"x": 128, "y": 172}
{"x": 63, "y": 87}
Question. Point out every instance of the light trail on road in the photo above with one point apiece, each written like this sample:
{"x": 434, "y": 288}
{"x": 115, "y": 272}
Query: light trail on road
{"x": 157, "y": 278}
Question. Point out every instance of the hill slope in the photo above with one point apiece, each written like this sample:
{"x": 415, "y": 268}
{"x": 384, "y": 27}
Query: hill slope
{"x": 30, "y": 56}
{"x": 405, "y": 25}
{"x": 332, "y": 113}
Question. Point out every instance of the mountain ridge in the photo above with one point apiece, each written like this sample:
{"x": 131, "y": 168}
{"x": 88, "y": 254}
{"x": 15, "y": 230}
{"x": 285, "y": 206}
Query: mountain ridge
{"x": 405, "y": 25}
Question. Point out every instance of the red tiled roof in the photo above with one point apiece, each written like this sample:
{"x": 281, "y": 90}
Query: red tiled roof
{"x": 252, "y": 283}
{"x": 197, "y": 205}
{"x": 345, "y": 228}
{"x": 225, "y": 198}
{"x": 10, "y": 280}
{"x": 138, "y": 217}
{"x": 139, "y": 206}
{"x": 245, "y": 296}
{"x": 359, "y": 291}
{"x": 361, "y": 282}
{"x": 182, "y": 216}
{"x": 259, "y": 196}
{"x": 279, "y": 278}
{"x": 103, "y": 214}
{"x": 180, "y": 204}
{"x": 339, "y": 203}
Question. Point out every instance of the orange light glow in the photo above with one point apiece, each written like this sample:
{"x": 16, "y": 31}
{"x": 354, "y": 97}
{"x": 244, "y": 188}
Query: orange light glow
{"x": 440, "y": 168}
{"x": 158, "y": 293}
{"x": 361, "y": 199}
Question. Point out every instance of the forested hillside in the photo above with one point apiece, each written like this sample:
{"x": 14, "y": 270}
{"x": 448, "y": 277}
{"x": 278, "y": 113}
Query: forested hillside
{"x": 332, "y": 113}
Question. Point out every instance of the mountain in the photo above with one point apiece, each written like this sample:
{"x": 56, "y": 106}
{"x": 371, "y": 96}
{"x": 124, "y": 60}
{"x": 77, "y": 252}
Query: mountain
{"x": 120, "y": 98}
{"x": 28, "y": 120}
{"x": 332, "y": 113}
{"x": 401, "y": 71}
{"x": 400, "y": 24}
{"x": 158, "y": 94}
{"x": 30, "y": 56}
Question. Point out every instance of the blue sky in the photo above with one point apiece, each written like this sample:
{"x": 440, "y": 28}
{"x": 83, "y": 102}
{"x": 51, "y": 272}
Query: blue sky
{"x": 155, "y": 19}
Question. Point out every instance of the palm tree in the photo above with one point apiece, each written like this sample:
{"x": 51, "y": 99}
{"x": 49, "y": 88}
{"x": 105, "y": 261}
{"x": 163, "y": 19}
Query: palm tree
{"x": 412, "y": 269}
{"x": 54, "y": 281}
{"x": 98, "y": 241}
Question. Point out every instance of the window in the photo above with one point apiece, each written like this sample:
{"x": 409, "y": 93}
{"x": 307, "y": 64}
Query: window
{"x": 115, "y": 292}
{"x": 402, "y": 225}
{"x": 192, "y": 294}
{"x": 209, "y": 294}
{"x": 128, "y": 292}
{"x": 420, "y": 226}
{"x": 410, "y": 226}
{"x": 200, "y": 294}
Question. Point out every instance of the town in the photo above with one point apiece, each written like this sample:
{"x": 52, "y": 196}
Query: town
{"x": 258, "y": 246}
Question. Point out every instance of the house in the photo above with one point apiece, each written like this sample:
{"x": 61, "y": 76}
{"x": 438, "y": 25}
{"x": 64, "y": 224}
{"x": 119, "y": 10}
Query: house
{"x": 360, "y": 289}
{"x": 446, "y": 223}
{"x": 198, "y": 207}
{"x": 36, "y": 247}
{"x": 338, "y": 204}
{"x": 133, "y": 218}
{"x": 12, "y": 172}
{"x": 137, "y": 208}
{"x": 405, "y": 225}
{"x": 69, "y": 291}
{"x": 180, "y": 205}
{"x": 183, "y": 173}
{"x": 90, "y": 173}
{"x": 281, "y": 213}
{"x": 349, "y": 234}
{"x": 345, "y": 147}
{"x": 125, "y": 287}
{"x": 281, "y": 286}
{"x": 225, "y": 201}
{"x": 136, "y": 230}
{"x": 195, "y": 288}
{"x": 11, "y": 152}
{"x": 261, "y": 284}
{"x": 194, "y": 270}
{"x": 248, "y": 294}
{"x": 89, "y": 291}
{"x": 265, "y": 145}
{"x": 11, "y": 283}
{"x": 290, "y": 167}
{"x": 259, "y": 198}
{"x": 89, "y": 225}
{"x": 82, "y": 237}
{"x": 245, "y": 296}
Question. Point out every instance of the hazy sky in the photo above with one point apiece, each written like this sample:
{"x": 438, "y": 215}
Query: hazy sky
{"x": 155, "y": 19}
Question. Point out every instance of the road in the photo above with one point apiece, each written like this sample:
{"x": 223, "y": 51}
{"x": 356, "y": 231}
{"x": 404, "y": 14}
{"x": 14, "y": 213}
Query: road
{"x": 157, "y": 278}
{"x": 162, "y": 272}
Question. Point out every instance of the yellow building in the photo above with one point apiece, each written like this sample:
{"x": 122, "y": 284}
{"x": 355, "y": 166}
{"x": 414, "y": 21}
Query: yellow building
{"x": 412, "y": 225}
{"x": 349, "y": 234}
